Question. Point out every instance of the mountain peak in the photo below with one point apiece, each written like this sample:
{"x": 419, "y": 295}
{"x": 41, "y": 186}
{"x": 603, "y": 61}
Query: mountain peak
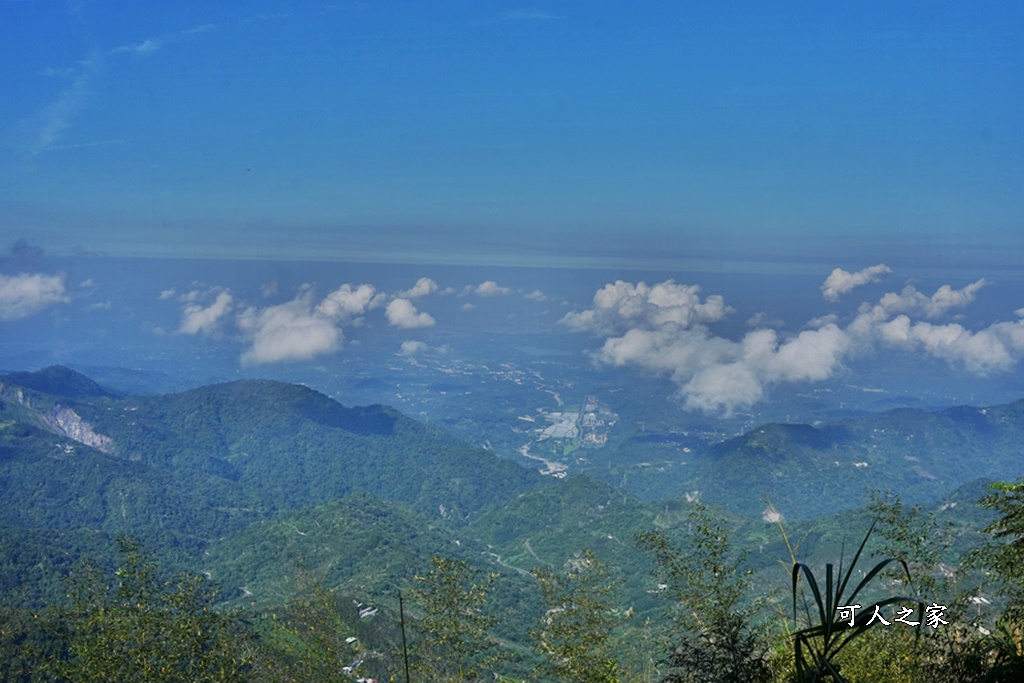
{"x": 58, "y": 380}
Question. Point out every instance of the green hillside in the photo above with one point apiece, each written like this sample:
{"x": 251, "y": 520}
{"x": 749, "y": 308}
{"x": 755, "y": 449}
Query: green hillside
{"x": 269, "y": 488}
{"x": 813, "y": 470}
{"x": 182, "y": 471}
{"x": 267, "y": 445}
{"x": 230, "y": 454}
{"x": 358, "y": 544}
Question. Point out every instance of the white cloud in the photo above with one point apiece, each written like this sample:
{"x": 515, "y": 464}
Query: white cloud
{"x": 26, "y": 294}
{"x": 491, "y": 288}
{"x": 423, "y": 287}
{"x": 348, "y": 303}
{"x": 840, "y": 282}
{"x": 198, "y": 319}
{"x": 44, "y": 130}
{"x": 678, "y": 353}
{"x": 723, "y": 389}
{"x": 402, "y": 313}
{"x": 537, "y": 295}
{"x": 411, "y": 348}
{"x": 289, "y": 332}
{"x": 150, "y": 45}
{"x": 622, "y": 305}
{"x": 911, "y": 301}
{"x": 996, "y": 348}
{"x": 811, "y": 356}
{"x": 527, "y": 15}
{"x": 300, "y": 329}
{"x": 719, "y": 375}
{"x": 519, "y": 15}
{"x": 890, "y": 323}
{"x": 664, "y": 329}
{"x": 821, "y": 321}
{"x": 303, "y": 328}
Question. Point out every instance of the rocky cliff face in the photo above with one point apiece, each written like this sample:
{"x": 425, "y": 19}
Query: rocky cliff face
{"x": 60, "y": 418}
{"x": 70, "y": 424}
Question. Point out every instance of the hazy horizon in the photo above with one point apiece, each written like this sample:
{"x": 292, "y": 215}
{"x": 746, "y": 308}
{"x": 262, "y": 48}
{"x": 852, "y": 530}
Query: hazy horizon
{"x": 735, "y": 200}
{"x": 569, "y": 134}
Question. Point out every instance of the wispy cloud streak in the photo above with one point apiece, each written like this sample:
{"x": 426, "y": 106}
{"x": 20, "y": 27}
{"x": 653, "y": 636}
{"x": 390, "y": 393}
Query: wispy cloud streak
{"x": 42, "y": 131}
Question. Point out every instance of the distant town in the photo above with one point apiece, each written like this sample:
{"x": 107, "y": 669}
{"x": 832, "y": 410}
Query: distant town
{"x": 567, "y": 431}
{"x": 585, "y": 427}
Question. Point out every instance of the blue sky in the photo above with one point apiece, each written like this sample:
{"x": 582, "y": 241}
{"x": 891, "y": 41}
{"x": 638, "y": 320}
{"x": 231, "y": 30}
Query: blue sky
{"x": 747, "y": 200}
{"x": 558, "y": 133}
{"x": 695, "y": 155}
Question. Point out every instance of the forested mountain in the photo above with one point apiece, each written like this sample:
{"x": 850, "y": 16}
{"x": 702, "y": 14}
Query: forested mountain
{"x": 58, "y": 380}
{"x": 184, "y": 469}
{"x": 362, "y": 544}
{"x": 813, "y": 470}
{"x": 223, "y": 456}
{"x": 257, "y": 484}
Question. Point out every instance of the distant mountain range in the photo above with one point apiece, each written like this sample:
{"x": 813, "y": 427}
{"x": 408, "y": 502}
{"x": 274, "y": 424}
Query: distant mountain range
{"x": 808, "y": 471}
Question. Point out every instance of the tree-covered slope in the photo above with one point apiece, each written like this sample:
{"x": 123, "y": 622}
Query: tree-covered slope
{"x": 192, "y": 470}
{"x": 359, "y": 544}
{"x": 58, "y": 380}
{"x": 49, "y": 481}
{"x": 809, "y": 471}
{"x": 546, "y": 526}
{"x": 217, "y": 458}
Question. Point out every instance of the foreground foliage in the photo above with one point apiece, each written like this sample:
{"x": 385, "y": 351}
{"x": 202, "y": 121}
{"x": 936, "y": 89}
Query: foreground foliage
{"x": 455, "y": 643}
{"x": 134, "y": 623}
{"x": 575, "y": 632}
{"x": 139, "y": 627}
{"x": 818, "y": 645}
{"x": 713, "y": 637}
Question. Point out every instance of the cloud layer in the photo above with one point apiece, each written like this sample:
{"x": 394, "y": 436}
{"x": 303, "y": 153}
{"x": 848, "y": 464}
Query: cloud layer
{"x": 667, "y": 329}
{"x": 912, "y": 302}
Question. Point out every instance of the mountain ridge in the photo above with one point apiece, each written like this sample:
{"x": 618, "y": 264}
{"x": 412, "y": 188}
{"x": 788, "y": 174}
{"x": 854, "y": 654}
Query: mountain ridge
{"x": 254, "y": 446}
